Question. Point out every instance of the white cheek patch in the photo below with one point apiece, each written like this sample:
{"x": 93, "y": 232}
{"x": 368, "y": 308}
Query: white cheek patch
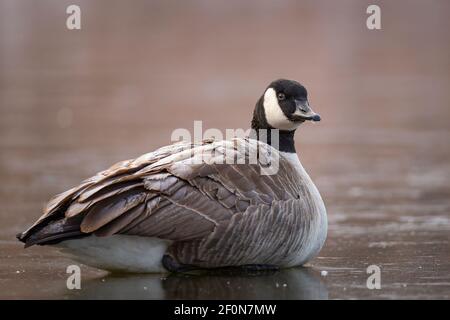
{"x": 274, "y": 115}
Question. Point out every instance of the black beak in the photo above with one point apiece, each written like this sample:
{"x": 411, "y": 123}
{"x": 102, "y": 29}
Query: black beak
{"x": 304, "y": 112}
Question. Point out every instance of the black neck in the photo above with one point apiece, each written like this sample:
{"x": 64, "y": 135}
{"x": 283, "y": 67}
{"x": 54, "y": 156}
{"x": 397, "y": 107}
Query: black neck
{"x": 286, "y": 138}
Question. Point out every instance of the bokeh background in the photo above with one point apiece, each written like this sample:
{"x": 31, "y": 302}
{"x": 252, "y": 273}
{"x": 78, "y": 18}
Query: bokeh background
{"x": 74, "y": 102}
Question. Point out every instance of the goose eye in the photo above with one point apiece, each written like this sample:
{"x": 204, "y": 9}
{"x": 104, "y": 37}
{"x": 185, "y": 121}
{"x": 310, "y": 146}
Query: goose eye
{"x": 281, "y": 96}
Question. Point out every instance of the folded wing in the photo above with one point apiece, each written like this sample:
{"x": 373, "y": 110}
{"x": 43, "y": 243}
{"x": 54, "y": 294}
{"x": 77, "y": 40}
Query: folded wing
{"x": 179, "y": 192}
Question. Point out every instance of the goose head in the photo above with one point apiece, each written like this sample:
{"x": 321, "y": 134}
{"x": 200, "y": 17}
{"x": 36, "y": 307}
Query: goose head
{"x": 283, "y": 106}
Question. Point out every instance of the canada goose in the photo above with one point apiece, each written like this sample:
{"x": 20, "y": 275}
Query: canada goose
{"x": 164, "y": 212}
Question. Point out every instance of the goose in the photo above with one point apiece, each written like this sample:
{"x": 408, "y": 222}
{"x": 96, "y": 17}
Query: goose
{"x": 182, "y": 207}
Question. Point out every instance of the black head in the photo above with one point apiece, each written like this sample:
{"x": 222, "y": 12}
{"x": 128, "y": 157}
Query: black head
{"x": 284, "y": 106}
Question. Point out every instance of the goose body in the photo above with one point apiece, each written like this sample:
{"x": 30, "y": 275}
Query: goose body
{"x": 187, "y": 205}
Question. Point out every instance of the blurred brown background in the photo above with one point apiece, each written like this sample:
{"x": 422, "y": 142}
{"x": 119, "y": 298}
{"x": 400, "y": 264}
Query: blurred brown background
{"x": 75, "y": 102}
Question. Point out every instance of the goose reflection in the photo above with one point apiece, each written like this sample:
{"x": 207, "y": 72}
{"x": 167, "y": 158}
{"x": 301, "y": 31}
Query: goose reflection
{"x": 295, "y": 283}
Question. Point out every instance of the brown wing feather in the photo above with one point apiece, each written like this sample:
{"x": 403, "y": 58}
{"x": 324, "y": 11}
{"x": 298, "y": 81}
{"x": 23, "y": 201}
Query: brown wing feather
{"x": 164, "y": 194}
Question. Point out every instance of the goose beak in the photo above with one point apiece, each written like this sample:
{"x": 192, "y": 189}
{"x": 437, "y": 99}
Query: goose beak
{"x": 304, "y": 112}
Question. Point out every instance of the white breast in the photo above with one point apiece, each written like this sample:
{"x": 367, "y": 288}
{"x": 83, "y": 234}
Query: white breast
{"x": 315, "y": 239}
